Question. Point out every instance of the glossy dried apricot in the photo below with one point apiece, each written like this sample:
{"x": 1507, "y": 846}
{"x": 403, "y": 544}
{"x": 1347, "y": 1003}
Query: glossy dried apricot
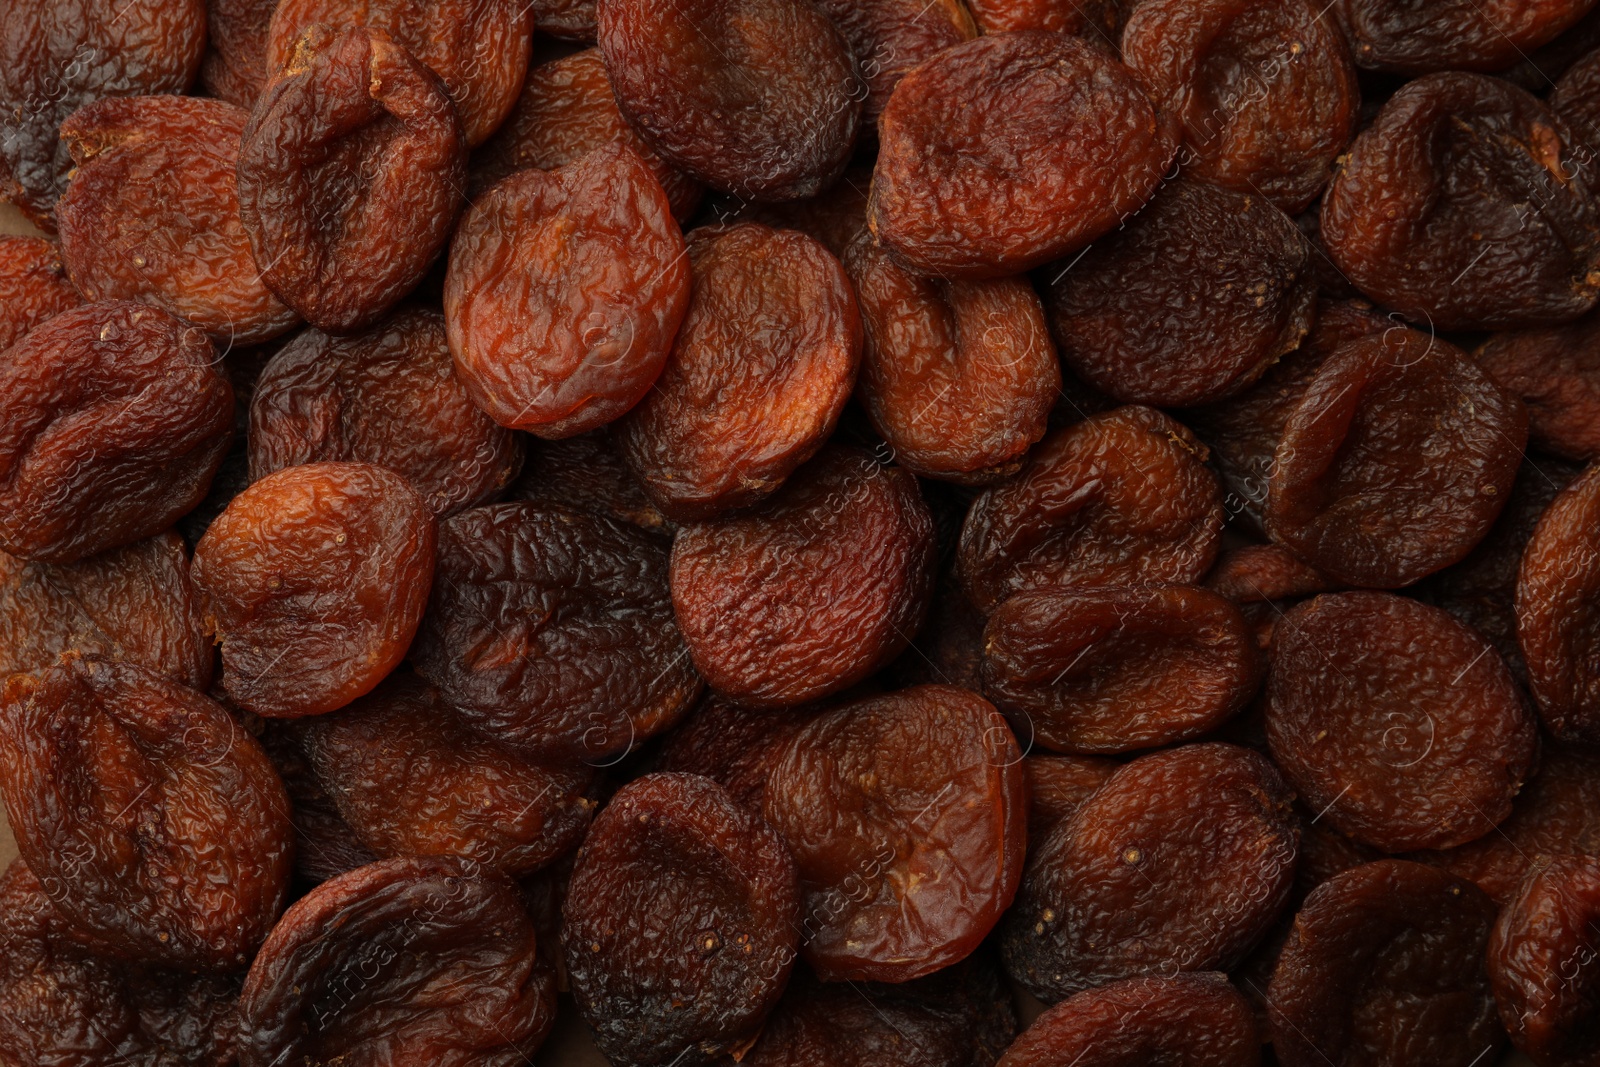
{"x": 314, "y": 580}
{"x": 1058, "y": 785}
{"x": 734, "y": 746}
{"x": 1103, "y": 19}
{"x": 1576, "y": 97}
{"x": 813, "y": 591}
{"x": 1555, "y": 371}
{"x": 235, "y": 64}
{"x": 1003, "y": 153}
{"x": 890, "y": 37}
{"x": 1556, "y": 604}
{"x": 564, "y": 292}
{"x": 1487, "y": 35}
{"x": 571, "y": 20}
{"x": 324, "y": 844}
{"x": 33, "y": 286}
{"x": 588, "y": 472}
{"x": 1264, "y": 580}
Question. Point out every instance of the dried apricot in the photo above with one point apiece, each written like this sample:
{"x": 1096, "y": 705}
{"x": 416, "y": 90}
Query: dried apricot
{"x": 1264, "y": 580}
{"x": 734, "y": 746}
{"x": 235, "y": 64}
{"x": 1555, "y": 371}
{"x": 33, "y": 286}
{"x": 1058, "y": 786}
{"x": 1576, "y": 98}
{"x": 890, "y": 37}
{"x": 1103, "y": 19}
{"x": 588, "y": 472}
{"x": 1556, "y": 604}
{"x": 572, "y": 20}
{"x": 1487, "y": 35}
{"x": 324, "y": 844}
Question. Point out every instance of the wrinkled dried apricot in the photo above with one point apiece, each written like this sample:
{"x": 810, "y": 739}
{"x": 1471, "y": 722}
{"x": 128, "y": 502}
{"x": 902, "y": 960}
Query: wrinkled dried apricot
{"x": 1101, "y": 19}
{"x": 588, "y": 472}
{"x": 890, "y": 37}
{"x": 1487, "y": 35}
{"x": 1576, "y": 98}
{"x": 235, "y": 64}
{"x": 571, "y": 20}
{"x": 1264, "y": 580}
{"x": 734, "y": 746}
{"x": 1556, "y": 605}
{"x": 33, "y": 286}
{"x": 1541, "y": 963}
{"x": 1555, "y": 371}
{"x": 1058, "y": 786}
{"x": 324, "y": 844}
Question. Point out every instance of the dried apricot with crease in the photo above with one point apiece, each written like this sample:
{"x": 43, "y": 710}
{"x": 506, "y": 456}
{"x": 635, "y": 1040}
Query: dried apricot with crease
{"x": 1555, "y": 371}
{"x": 235, "y": 64}
{"x": 33, "y": 286}
{"x": 1556, "y": 605}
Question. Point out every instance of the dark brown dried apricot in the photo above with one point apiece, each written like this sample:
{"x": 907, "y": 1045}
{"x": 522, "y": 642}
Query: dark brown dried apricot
{"x": 1058, "y": 786}
{"x": 1464, "y": 206}
{"x": 1192, "y": 301}
{"x": 152, "y": 214}
{"x": 1384, "y": 964}
{"x": 813, "y": 591}
{"x": 1197, "y": 1020}
{"x": 1555, "y": 371}
{"x": 324, "y": 844}
{"x": 907, "y": 817}
{"x": 680, "y": 923}
{"x": 1264, "y": 580}
{"x": 834, "y": 216}
{"x": 958, "y": 376}
{"x": 1576, "y": 98}
{"x": 1179, "y": 862}
{"x": 1395, "y": 462}
{"x": 314, "y": 580}
{"x": 762, "y": 366}
{"x": 1118, "y": 668}
{"x": 412, "y": 960}
{"x": 759, "y": 98}
{"x": 1556, "y": 611}
{"x": 1119, "y": 499}
{"x": 113, "y": 419}
{"x": 1541, "y": 963}
{"x": 388, "y": 396}
{"x": 588, "y": 472}
{"x": 235, "y": 64}
{"x": 1084, "y": 18}
{"x": 58, "y": 55}
{"x": 890, "y": 37}
{"x": 734, "y": 746}
{"x": 156, "y": 824}
{"x": 1486, "y": 35}
{"x": 351, "y": 173}
{"x": 564, "y": 292}
{"x": 551, "y": 629}
{"x": 33, "y": 286}
{"x": 1009, "y": 151}
{"x": 1395, "y": 722}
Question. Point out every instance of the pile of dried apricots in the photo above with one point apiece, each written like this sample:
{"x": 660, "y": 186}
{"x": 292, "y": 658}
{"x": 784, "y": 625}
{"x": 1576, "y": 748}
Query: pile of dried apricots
{"x": 788, "y": 530}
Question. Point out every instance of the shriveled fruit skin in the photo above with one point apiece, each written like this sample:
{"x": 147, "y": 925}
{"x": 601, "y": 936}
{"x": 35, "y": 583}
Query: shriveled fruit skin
{"x": 564, "y": 293}
{"x": 1466, "y": 206}
{"x": 1384, "y": 964}
{"x": 1453, "y": 34}
{"x": 733, "y": 745}
{"x": 588, "y": 472}
{"x": 890, "y": 37}
{"x": 567, "y": 110}
{"x": 1198, "y": 1020}
{"x": 1346, "y": 491}
{"x": 760, "y": 370}
{"x": 412, "y": 960}
{"x": 113, "y": 419}
{"x": 314, "y": 580}
{"x": 1398, "y": 723}
{"x": 412, "y": 780}
{"x": 351, "y": 174}
{"x": 907, "y": 817}
{"x": 1555, "y": 371}
{"x": 134, "y": 604}
{"x": 235, "y": 64}
{"x": 1058, "y": 785}
{"x": 1121, "y": 498}
{"x": 478, "y": 48}
{"x": 1006, "y": 152}
{"x": 1266, "y": 92}
{"x": 33, "y": 286}
{"x": 680, "y": 923}
{"x": 1576, "y": 96}
{"x": 571, "y": 20}
{"x": 324, "y": 844}
{"x": 1541, "y": 963}
{"x": 152, "y": 214}
{"x": 1103, "y": 19}
{"x": 834, "y": 216}
{"x": 1192, "y": 301}
{"x": 759, "y": 98}
{"x": 1118, "y": 668}
{"x": 551, "y": 629}
{"x": 958, "y": 376}
{"x": 813, "y": 591}
{"x": 387, "y": 396}
{"x": 156, "y": 824}
{"x": 58, "y": 55}
{"x": 1179, "y": 862}
{"x": 1557, "y": 589}
{"x": 1264, "y": 580}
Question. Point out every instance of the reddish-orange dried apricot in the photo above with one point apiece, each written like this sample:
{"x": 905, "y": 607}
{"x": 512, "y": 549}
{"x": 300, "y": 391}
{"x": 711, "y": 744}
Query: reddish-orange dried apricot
{"x": 571, "y": 20}
{"x": 33, "y": 286}
{"x": 1264, "y": 580}
{"x": 1555, "y": 371}
{"x": 1556, "y": 611}
{"x": 235, "y": 64}
{"x": 1541, "y": 963}
{"x": 1101, "y": 19}
{"x": 890, "y": 37}
{"x": 1058, "y": 786}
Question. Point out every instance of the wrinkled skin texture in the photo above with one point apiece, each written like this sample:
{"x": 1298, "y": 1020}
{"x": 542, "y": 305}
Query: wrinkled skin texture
{"x": 58, "y": 55}
{"x": 1486, "y": 35}
{"x": 351, "y": 174}
{"x": 155, "y": 823}
{"x": 1466, "y": 206}
{"x": 1103, "y": 19}
{"x": 113, "y": 419}
{"x": 759, "y": 98}
{"x": 734, "y": 746}
{"x": 152, "y": 214}
{"x": 478, "y": 48}
{"x": 1121, "y": 498}
{"x": 949, "y": 647}
{"x": 813, "y": 591}
{"x": 1197, "y": 1020}
{"x": 1266, "y": 92}
{"x": 1398, "y": 723}
{"x": 564, "y": 292}
{"x": 1384, "y": 964}
{"x": 587, "y": 472}
{"x": 1395, "y": 462}
{"x": 1577, "y": 99}
{"x": 1073, "y": 140}
{"x": 388, "y": 396}
{"x": 761, "y": 368}
{"x": 957, "y": 376}
{"x": 235, "y": 64}
{"x": 1555, "y": 371}
{"x": 33, "y": 286}
{"x": 572, "y": 20}
{"x": 412, "y": 780}
{"x": 1114, "y": 669}
{"x": 889, "y": 37}
{"x": 1058, "y": 786}
{"x": 565, "y": 111}
{"x": 907, "y": 816}
{"x": 1179, "y": 862}
{"x": 835, "y": 216}
{"x": 429, "y": 960}
{"x": 1558, "y": 595}
{"x": 324, "y": 844}
{"x": 1541, "y": 963}
{"x": 133, "y": 604}
{"x": 681, "y": 923}
{"x": 551, "y": 629}
{"x": 1202, "y": 291}
{"x": 314, "y": 580}
{"x": 1264, "y": 580}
